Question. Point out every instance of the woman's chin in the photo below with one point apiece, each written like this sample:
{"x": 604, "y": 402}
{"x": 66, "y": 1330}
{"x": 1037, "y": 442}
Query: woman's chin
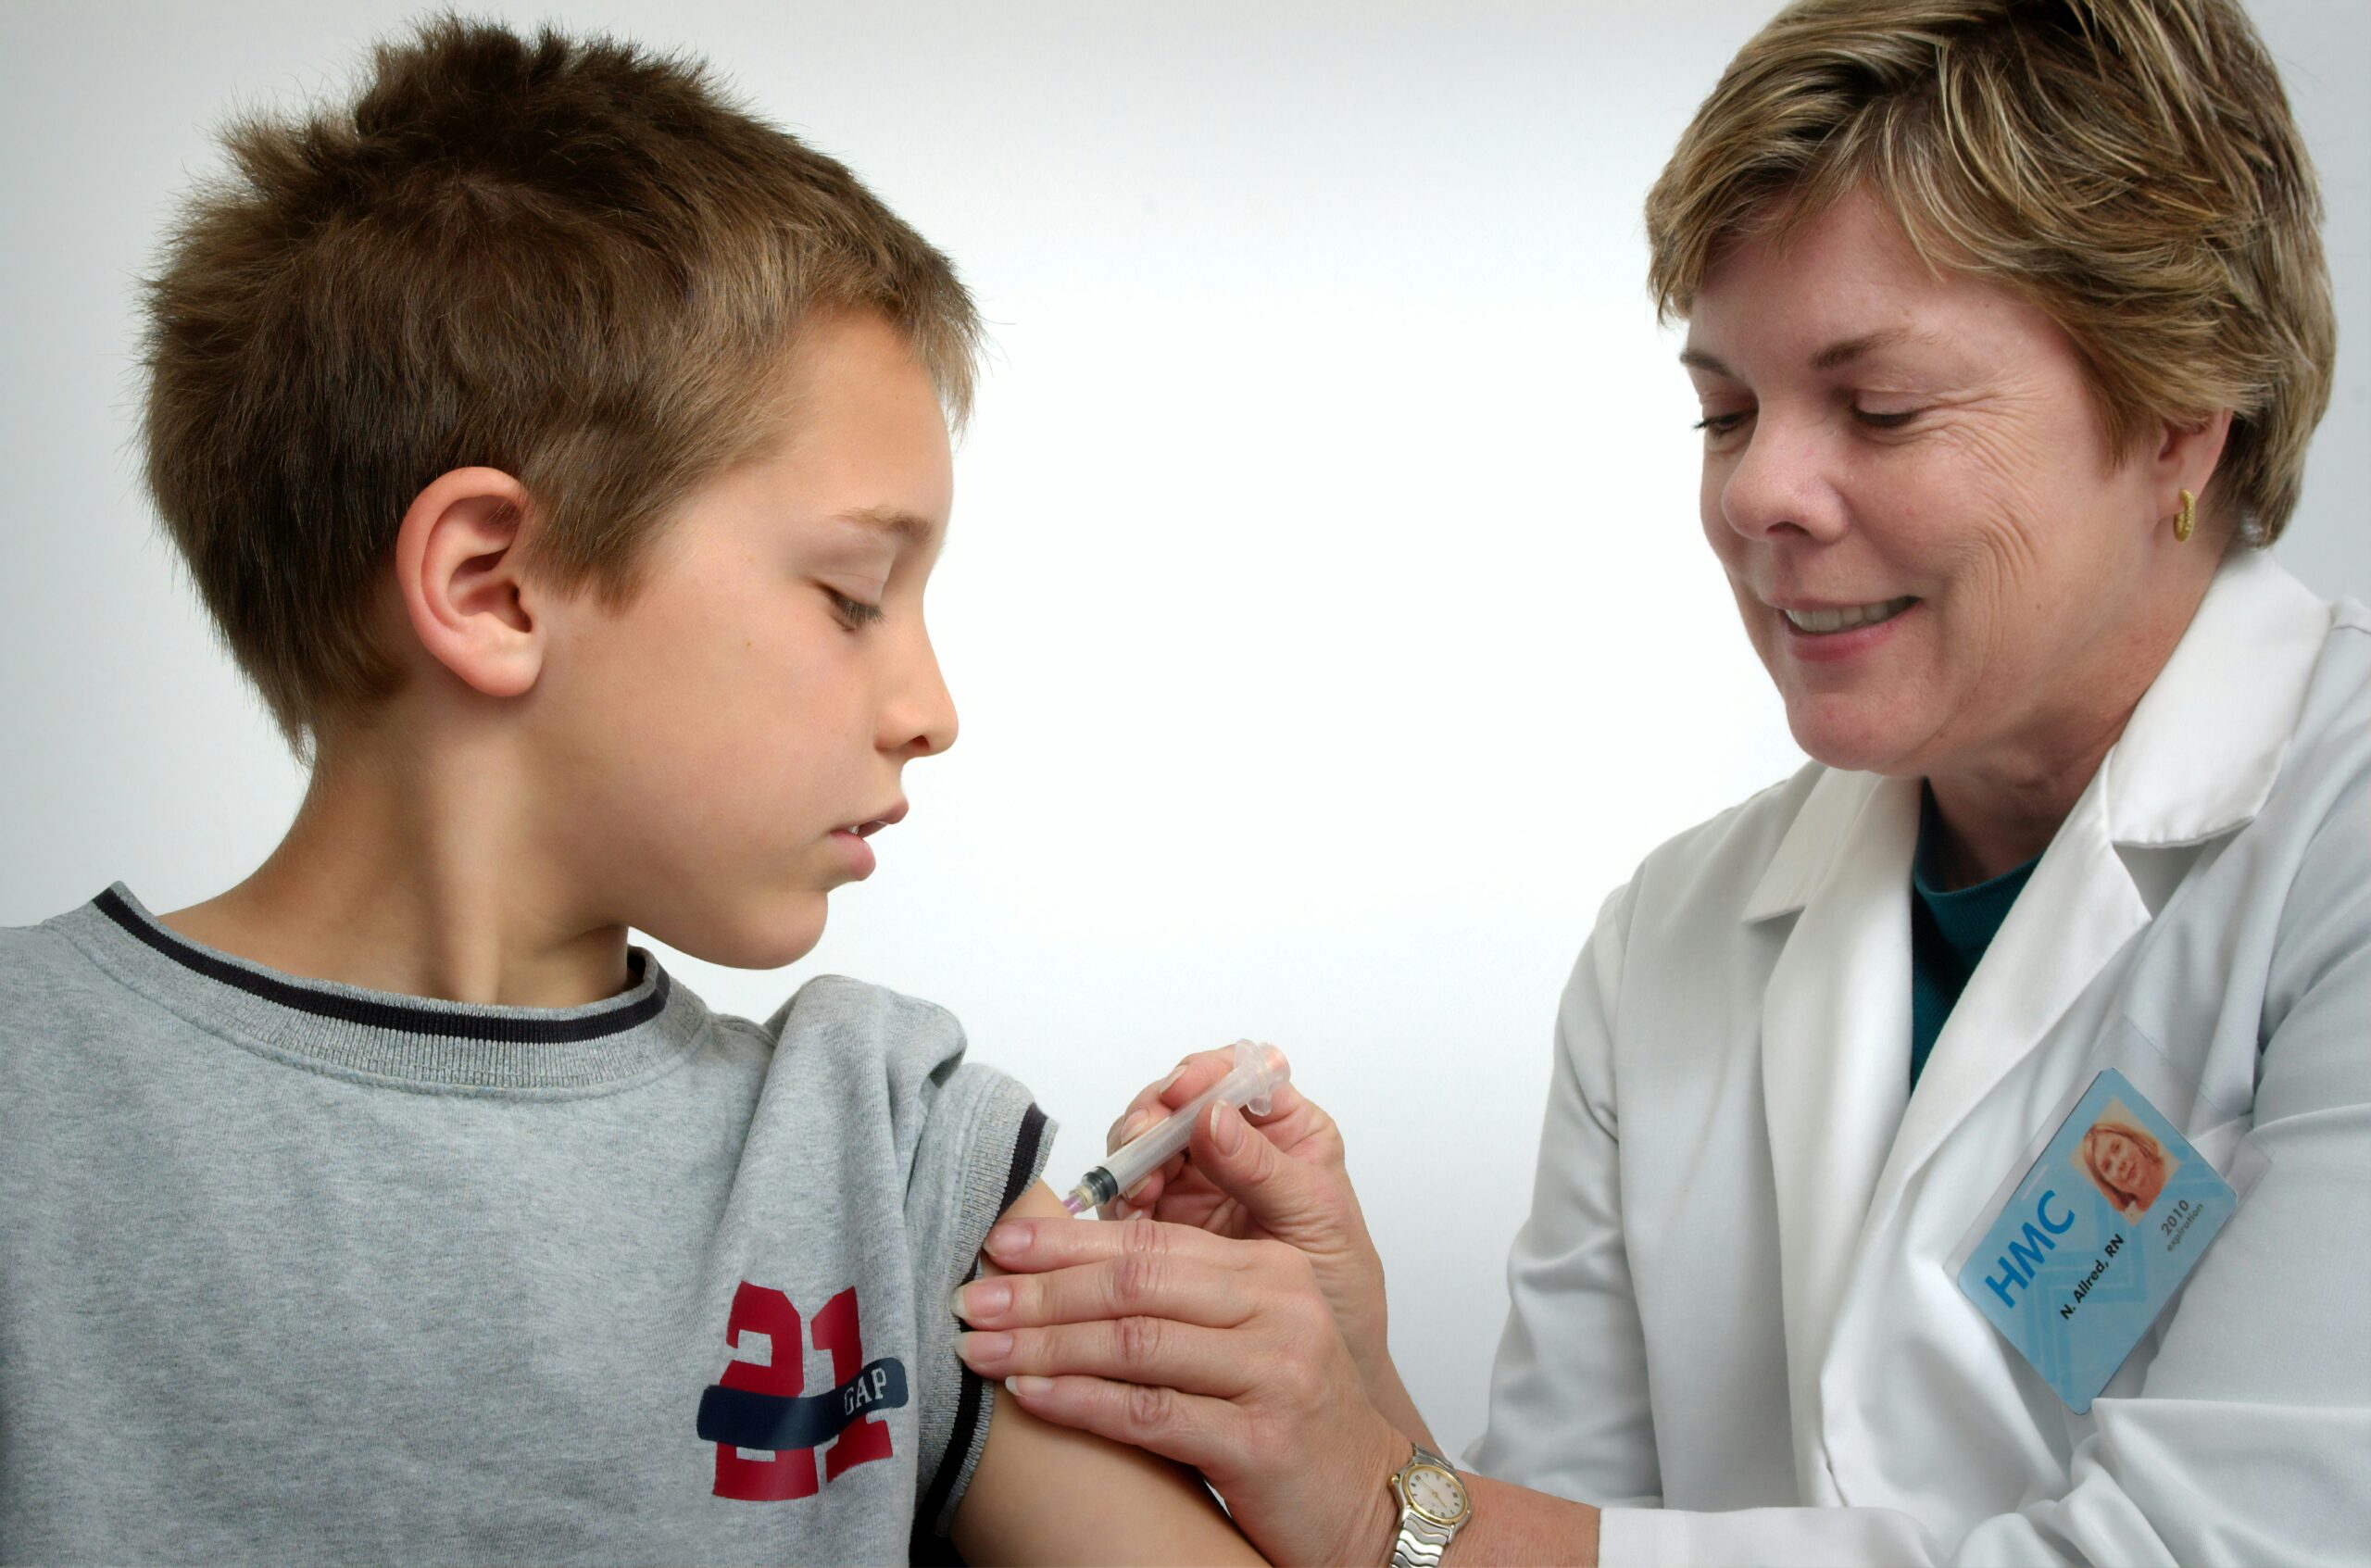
{"x": 1852, "y": 736}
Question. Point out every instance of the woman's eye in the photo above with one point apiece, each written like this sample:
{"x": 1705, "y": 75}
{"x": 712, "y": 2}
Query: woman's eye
{"x": 1720, "y": 424}
{"x": 856, "y": 612}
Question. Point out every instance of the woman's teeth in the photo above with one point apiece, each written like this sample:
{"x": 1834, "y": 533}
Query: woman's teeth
{"x": 1817, "y": 621}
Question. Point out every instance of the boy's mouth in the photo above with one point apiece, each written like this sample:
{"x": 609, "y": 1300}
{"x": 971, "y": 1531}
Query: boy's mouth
{"x": 867, "y": 829}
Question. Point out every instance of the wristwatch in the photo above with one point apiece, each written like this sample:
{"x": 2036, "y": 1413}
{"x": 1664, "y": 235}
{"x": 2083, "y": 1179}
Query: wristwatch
{"x": 1432, "y": 1507}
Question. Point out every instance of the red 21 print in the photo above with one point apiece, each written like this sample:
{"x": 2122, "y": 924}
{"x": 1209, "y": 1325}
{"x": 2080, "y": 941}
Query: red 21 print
{"x": 765, "y": 1406}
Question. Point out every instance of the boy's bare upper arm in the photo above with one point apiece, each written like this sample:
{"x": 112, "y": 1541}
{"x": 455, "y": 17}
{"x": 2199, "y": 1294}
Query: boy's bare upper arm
{"x": 1046, "y": 1493}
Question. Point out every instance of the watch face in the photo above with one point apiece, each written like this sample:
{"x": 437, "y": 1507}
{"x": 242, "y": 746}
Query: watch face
{"x": 1436, "y": 1493}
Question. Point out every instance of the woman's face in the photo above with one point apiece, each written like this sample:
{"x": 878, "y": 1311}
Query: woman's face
{"x": 2120, "y": 1160}
{"x": 1937, "y": 556}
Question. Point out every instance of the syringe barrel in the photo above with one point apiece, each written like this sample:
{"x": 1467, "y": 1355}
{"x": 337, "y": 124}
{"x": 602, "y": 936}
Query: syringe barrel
{"x": 1258, "y": 1071}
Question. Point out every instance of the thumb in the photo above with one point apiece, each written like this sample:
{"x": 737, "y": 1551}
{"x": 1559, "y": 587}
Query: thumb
{"x": 1296, "y": 1201}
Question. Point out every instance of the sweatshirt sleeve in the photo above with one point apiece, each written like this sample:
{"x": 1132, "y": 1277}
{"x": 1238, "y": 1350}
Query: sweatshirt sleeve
{"x": 982, "y": 1144}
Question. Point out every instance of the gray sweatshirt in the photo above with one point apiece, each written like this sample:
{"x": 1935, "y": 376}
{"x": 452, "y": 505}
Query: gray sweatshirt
{"x": 301, "y": 1273}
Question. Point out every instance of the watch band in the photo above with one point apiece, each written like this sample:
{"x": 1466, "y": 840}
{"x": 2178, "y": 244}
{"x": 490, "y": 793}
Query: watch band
{"x": 1420, "y": 1540}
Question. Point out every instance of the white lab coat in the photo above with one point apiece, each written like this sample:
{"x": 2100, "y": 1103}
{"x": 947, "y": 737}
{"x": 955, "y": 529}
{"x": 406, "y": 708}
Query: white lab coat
{"x": 1732, "y": 1323}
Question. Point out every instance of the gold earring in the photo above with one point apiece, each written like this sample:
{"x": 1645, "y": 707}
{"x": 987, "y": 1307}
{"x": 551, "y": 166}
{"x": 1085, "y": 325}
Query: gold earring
{"x": 2186, "y": 519}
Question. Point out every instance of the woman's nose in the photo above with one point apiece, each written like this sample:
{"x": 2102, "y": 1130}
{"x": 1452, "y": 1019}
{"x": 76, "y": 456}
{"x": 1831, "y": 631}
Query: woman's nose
{"x": 1779, "y": 487}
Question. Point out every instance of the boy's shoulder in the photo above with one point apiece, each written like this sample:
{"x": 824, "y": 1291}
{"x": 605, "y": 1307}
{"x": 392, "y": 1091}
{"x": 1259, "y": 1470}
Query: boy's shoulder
{"x": 45, "y": 973}
{"x": 110, "y": 954}
{"x": 863, "y": 1025}
{"x": 108, "y": 962}
{"x": 840, "y": 1005}
{"x": 863, "y": 1045}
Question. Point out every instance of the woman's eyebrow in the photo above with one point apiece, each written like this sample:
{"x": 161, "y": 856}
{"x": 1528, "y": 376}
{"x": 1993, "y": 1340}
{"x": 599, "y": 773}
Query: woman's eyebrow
{"x": 1844, "y": 352}
{"x": 1828, "y": 358}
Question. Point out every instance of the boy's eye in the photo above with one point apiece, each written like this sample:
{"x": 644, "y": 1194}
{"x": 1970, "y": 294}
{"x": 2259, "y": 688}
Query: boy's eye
{"x": 856, "y": 612}
{"x": 1720, "y": 424}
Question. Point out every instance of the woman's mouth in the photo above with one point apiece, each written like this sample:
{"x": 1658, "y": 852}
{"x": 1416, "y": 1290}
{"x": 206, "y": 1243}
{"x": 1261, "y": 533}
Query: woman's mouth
{"x": 1840, "y": 636}
{"x": 1822, "y": 623}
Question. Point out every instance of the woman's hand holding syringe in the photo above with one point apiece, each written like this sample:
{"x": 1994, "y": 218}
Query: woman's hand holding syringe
{"x": 1254, "y": 1073}
{"x": 1290, "y": 1183}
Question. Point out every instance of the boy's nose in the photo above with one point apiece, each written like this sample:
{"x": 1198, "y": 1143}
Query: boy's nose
{"x": 920, "y": 722}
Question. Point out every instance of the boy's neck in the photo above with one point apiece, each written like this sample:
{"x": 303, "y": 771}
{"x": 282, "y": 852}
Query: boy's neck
{"x": 419, "y": 877}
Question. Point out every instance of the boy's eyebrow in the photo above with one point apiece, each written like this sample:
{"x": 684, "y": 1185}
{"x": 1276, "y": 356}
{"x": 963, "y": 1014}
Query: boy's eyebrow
{"x": 908, "y": 527}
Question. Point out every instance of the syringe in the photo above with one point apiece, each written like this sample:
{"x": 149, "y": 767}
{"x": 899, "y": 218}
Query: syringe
{"x": 1257, "y": 1069}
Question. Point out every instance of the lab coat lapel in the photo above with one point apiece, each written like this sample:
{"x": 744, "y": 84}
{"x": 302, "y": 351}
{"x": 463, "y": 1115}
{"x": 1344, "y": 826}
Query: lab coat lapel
{"x": 1835, "y": 1053}
{"x": 2078, "y": 908}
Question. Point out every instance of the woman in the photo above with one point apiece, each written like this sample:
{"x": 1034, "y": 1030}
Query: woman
{"x": 2126, "y": 1165}
{"x": 2010, "y": 326}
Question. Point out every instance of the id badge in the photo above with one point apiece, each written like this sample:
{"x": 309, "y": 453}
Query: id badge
{"x": 2102, "y": 1229}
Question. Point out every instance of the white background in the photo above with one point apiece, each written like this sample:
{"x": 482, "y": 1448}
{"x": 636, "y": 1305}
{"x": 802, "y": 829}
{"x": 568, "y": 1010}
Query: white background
{"x": 1325, "y": 604}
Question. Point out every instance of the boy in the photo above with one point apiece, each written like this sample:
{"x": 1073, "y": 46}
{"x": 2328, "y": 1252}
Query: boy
{"x": 563, "y": 452}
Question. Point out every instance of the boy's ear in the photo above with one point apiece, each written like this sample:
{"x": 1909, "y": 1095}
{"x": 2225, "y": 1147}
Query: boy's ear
{"x": 458, "y": 566}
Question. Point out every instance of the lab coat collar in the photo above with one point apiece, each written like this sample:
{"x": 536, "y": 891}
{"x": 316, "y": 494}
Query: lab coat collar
{"x": 2197, "y": 758}
{"x": 2200, "y": 754}
{"x": 1817, "y": 840}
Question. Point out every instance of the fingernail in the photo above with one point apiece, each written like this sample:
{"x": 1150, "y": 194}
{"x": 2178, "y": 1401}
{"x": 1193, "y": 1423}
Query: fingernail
{"x": 1021, "y": 1385}
{"x": 982, "y": 1299}
{"x": 976, "y": 1348}
{"x": 1227, "y": 1128}
{"x": 1173, "y": 1078}
{"x": 1137, "y": 1123}
{"x": 1007, "y": 1240}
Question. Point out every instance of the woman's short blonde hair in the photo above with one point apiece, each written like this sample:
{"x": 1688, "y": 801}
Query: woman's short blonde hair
{"x": 2129, "y": 165}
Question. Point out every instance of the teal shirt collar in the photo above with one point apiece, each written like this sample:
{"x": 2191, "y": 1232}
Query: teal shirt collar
{"x": 1949, "y": 932}
{"x": 1967, "y": 917}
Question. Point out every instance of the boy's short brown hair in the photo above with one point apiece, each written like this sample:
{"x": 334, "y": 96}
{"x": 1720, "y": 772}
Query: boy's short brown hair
{"x": 569, "y": 259}
{"x": 2129, "y": 165}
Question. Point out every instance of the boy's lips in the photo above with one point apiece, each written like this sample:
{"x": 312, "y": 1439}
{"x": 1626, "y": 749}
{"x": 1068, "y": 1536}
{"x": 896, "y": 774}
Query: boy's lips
{"x": 860, "y": 857}
{"x": 871, "y": 825}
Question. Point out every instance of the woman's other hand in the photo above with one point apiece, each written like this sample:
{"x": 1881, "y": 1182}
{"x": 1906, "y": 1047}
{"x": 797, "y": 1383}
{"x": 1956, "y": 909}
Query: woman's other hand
{"x": 1216, "y": 1352}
